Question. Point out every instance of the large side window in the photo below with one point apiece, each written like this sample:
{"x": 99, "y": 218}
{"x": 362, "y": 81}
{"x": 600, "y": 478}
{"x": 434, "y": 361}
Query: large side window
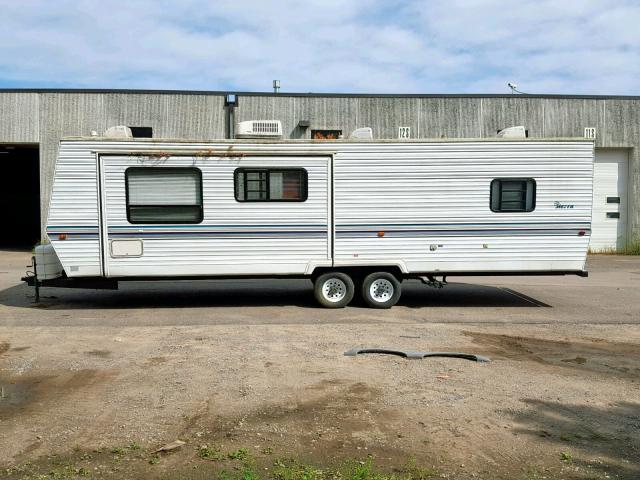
{"x": 271, "y": 184}
{"x": 164, "y": 195}
{"x": 513, "y": 195}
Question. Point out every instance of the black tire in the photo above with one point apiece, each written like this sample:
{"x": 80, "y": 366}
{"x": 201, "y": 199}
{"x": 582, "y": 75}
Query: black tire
{"x": 333, "y": 289}
{"x": 386, "y": 292}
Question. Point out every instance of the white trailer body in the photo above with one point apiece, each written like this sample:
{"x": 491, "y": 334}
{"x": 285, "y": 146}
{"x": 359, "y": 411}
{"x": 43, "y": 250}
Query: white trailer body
{"x": 414, "y": 209}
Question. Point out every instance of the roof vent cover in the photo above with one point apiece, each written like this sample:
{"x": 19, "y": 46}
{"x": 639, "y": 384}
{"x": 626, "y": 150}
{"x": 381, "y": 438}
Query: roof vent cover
{"x": 259, "y": 128}
{"x": 364, "y": 132}
{"x": 513, "y": 132}
{"x": 119, "y": 131}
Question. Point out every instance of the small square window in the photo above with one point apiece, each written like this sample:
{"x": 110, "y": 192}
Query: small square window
{"x": 271, "y": 185}
{"x": 513, "y": 195}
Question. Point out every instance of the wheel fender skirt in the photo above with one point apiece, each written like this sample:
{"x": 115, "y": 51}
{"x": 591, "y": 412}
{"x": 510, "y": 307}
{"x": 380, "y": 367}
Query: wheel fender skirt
{"x": 416, "y": 355}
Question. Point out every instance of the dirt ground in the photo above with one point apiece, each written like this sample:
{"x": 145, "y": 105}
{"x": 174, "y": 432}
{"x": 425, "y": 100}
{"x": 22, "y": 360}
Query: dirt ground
{"x": 92, "y": 382}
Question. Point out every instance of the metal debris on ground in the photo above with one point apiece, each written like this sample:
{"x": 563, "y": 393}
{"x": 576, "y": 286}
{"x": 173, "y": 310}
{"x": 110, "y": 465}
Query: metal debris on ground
{"x": 170, "y": 446}
{"x": 417, "y": 355}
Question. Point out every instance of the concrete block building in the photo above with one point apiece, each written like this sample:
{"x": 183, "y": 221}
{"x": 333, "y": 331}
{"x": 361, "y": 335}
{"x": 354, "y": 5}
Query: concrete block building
{"x": 32, "y": 121}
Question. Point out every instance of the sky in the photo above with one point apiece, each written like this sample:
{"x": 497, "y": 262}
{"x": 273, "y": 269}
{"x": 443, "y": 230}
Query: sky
{"x": 354, "y": 46}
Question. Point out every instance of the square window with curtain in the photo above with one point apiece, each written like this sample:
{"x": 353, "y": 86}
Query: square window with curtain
{"x": 270, "y": 184}
{"x": 513, "y": 195}
{"x": 164, "y": 195}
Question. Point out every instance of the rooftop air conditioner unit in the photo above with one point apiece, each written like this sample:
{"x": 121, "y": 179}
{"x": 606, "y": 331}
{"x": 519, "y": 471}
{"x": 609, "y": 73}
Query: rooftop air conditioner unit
{"x": 259, "y": 128}
{"x": 364, "y": 132}
{"x": 513, "y": 132}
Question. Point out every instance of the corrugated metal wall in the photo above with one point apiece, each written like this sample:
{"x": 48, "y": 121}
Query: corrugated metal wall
{"x": 44, "y": 117}
{"x": 19, "y": 117}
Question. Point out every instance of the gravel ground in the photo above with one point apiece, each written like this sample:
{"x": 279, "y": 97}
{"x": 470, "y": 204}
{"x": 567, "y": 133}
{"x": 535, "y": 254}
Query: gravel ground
{"x": 259, "y": 366}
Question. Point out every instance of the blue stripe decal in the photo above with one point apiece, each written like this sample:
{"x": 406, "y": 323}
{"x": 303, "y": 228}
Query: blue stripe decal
{"x": 204, "y": 226}
{"x": 324, "y": 234}
{"x": 346, "y": 225}
{"x": 351, "y": 231}
{"x": 169, "y": 226}
{"x": 464, "y": 233}
{"x": 449, "y": 224}
{"x": 216, "y": 234}
{"x": 71, "y": 226}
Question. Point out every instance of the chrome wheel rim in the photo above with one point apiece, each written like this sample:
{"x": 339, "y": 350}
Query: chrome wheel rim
{"x": 381, "y": 290}
{"x": 334, "y": 290}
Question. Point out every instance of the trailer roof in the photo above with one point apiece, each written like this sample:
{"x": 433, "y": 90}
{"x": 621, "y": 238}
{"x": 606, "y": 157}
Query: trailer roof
{"x": 245, "y": 141}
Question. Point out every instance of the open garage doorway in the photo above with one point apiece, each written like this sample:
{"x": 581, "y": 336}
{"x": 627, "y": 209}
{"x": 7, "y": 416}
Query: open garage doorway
{"x": 19, "y": 196}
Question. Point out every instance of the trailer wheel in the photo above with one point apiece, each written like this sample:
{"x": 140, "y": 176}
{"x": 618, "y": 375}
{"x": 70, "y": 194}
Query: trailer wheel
{"x": 334, "y": 289}
{"x": 381, "y": 290}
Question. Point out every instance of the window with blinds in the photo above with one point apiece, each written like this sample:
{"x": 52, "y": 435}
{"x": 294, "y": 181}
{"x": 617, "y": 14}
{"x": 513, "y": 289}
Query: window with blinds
{"x": 513, "y": 195}
{"x": 164, "y": 195}
{"x": 270, "y": 185}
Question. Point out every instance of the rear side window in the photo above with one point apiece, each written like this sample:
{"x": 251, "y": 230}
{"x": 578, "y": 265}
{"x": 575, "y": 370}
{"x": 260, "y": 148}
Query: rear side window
{"x": 270, "y": 184}
{"x": 164, "y": 195}
{"x": 513, "y": 195}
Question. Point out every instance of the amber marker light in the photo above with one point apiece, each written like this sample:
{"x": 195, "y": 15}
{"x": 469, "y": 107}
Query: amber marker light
{"x": 381, "y": 234}
{"x": 62, "y": 236}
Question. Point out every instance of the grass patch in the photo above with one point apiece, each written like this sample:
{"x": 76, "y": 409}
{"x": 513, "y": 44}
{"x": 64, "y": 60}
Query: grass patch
{"x": 293, "y": 470}
{"x": 121, "y": 451}
{"x": 533, "y": 473}
{"x": 210, "y": 453}
{"x": 57, "y": 468}
{"x": 632, "y": 248}
{"x": 240, "y": 454}
{"x": 414, "y": 471}
{"x": 349, "y": 470}
{"x": 235, "y": 465}
{"x": 566, "y": 457}
{"x": 247, "y": 473}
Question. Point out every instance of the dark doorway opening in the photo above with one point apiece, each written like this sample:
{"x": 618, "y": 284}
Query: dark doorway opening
{"x": 19, "y": 196}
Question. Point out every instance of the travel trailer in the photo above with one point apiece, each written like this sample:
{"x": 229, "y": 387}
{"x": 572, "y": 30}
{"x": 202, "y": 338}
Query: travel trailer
{"x": 353, "y": 216}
